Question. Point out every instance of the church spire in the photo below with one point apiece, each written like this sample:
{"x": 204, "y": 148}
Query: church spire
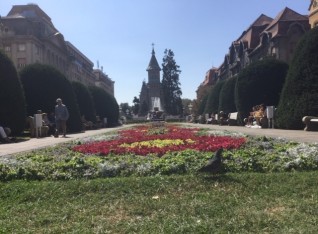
{"x": 153, "y": 64}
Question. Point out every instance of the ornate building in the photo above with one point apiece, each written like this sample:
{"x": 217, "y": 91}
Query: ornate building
{"x": 27, "y": 36}
{"x": 150, "y": 95}
{"x": 313, "y": 13}
{"x": 265, "y": 37}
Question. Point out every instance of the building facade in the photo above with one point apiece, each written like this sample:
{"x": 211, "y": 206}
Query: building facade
{"x": 265, "y": 37}
{"x": 28, "y": 36}
{"x": 313, "y": 13}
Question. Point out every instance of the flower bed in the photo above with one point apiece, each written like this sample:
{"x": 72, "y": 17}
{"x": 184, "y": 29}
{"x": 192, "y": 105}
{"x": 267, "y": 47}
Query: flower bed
{"x": 145, "y": 151}
{"x": 145, "y": 140}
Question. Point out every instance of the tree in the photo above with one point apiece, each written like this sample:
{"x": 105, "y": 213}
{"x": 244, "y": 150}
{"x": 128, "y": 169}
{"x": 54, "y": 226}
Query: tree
{"x": 212, "y": 105}
{"x": 85, "y": 101}
{"x": 105, "y": 105}
{"x": 43, "y": 84}
{"x": 136, "y": 105}
{"x": 259, "y": 83}
{"x": 170, "y": 84}
{"x": 300, "y": 92}
{"x": 12, "y": 100}
{"x": 227, "y": 100}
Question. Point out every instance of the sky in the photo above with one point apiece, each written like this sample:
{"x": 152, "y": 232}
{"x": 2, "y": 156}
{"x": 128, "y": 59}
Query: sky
{"x": 118, "y": 34}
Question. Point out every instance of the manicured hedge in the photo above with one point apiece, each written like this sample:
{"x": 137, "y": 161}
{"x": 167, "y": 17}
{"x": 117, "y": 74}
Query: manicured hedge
{"x": 212, "y": 105}
{"x": 300, "y": 93}
{"x": 259, "y": 83}
{"x": 105, "y": 105}
{"x": 43, "y": 84}
{"x": 226, "y": 99}
{"x": 85, "y": 101}
{"x": 12, "y": 100}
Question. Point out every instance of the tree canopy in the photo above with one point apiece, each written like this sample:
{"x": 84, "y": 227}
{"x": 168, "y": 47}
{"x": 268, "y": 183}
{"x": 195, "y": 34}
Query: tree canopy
{"x": 170, "y": 84}
{"x": 300, "y": 92}
{"x": 12, "y": 100}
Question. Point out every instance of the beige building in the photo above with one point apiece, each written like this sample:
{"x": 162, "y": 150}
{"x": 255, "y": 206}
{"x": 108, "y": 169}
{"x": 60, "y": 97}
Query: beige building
{"x": 27, "y": 36}
{"x": 265, "y": 37}
{"x": 313, "y": 13}
{"x": 103, "y": 81}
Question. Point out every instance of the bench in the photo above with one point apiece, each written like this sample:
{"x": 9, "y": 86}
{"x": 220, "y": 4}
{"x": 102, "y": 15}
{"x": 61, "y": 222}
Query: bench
{"x": 311, "y": 123}
{"x": 232, "y": 119}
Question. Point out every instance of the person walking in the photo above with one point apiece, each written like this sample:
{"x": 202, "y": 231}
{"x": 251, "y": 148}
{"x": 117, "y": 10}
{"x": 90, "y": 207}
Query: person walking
{"x": 61, "y": 116}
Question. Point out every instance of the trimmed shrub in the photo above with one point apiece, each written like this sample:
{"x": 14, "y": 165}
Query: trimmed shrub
{"x": 227, "y": 100}
{"x": 212, "y": 105}
{"x": 85, "y": 101}
{"x": 105, "y": 105}
{"x": 259, "y": 83}
{"x": 300, "y": 92}
{"x": 12, "y": 100}
{"x": 43, "y": 84}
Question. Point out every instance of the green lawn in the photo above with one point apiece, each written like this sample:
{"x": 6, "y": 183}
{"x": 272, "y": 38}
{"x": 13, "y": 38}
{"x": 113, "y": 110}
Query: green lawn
{"x": 230, "y": 203}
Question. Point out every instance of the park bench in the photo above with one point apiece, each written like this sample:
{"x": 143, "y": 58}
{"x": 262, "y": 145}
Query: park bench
{"x": 232, "y": 119}
{"x": 311, "y": 123}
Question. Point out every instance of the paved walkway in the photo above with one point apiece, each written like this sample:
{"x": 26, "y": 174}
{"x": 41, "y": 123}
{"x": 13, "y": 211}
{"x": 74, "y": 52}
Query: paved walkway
{"x": 293, "y": 135}
{"x": 35, "y": 143}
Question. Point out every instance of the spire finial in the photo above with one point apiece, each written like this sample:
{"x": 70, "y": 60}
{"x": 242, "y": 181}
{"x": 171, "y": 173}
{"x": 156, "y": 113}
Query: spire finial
{"x": 153, "y": 49}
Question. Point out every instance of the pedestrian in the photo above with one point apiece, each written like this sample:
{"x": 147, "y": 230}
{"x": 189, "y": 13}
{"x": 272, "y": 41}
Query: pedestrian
{"x": 61, "y": 116}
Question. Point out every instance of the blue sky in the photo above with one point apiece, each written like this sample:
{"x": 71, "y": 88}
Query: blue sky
{"x": 119, "y": 33}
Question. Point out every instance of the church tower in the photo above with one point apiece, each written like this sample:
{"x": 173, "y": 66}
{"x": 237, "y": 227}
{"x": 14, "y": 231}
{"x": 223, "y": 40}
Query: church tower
{"x": 152, "y": 96}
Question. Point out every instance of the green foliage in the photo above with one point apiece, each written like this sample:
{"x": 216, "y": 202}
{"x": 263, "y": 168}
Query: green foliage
{"x": 85, "y": 101}
{"x": 212, "y": 105}
{"x": 300, "y": 93}
{"x": 227, "y": 100}
{"x": 43, "y": 84}
{"x": 171, "y": 85}
{"x": 136, "y": 105}
{"x": 232, "y": 203}
{"x": 144, "y": 108}
{"x": 12, "y": 100}
{"x": 259, "y": 154}
{"x": 259, "y": 83}
{"x": 106, "y": 105}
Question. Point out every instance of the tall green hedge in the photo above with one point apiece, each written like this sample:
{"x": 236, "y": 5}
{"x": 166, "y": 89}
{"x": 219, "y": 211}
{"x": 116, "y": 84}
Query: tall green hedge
{"x": 12, "y": 100}
{"x": 300, "y": 93}
{"x": 85, "y": 101}
{"x": 259, "y": 83}
{"x": 212, "y": 105}
{"x": 43, "y": 84}
{"x": 106, "y": 105}
{"x": 227, "y": 100}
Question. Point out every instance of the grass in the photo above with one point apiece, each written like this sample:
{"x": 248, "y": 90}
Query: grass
{"x": 230, "y": 203}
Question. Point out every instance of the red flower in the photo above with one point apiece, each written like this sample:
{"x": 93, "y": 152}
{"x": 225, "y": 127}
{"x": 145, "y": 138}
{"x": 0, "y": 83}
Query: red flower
{"x": 142, "y": 134}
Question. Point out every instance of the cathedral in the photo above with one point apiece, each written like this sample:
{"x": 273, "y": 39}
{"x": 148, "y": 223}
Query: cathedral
{"x": 150, "y": 95}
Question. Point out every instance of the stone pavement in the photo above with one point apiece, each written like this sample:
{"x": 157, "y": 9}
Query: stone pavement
{"x": 293, "y": 135}
{"x": 35, "y": 143}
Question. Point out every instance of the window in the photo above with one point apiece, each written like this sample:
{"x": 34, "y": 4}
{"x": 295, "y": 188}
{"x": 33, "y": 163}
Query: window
{"x": 21, "y": 62}
{"x": 7, "y": 48}
{"x": 21, "y": 47}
